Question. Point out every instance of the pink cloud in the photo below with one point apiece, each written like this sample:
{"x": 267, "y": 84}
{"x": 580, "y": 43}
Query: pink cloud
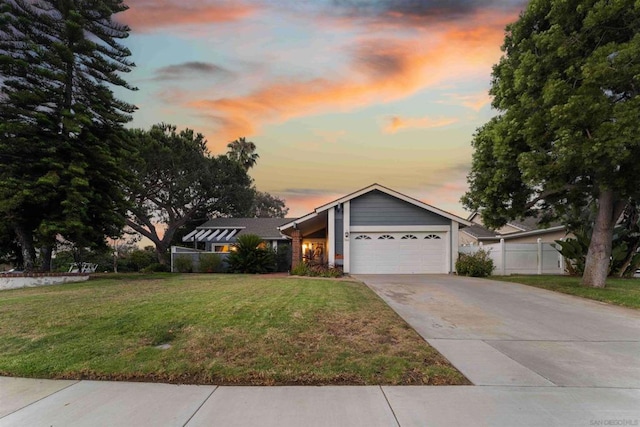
{"x": 382, "y": 70}
{"x": 148, "y": 15}
{"x": 397, "y": 123}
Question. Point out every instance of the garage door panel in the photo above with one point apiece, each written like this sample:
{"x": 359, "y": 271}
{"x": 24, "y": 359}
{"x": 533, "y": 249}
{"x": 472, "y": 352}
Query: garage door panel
{"x": 398, "y": 253}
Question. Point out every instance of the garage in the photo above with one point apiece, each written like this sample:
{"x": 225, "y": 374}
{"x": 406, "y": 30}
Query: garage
{"x": 377, "y": 230}
{"x": 399, "y": 253}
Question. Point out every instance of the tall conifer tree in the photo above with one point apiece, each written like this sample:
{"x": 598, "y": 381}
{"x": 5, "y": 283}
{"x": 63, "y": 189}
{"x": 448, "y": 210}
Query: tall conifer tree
{"x": 60, "y": 133}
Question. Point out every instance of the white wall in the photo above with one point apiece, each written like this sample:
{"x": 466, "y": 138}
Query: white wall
{"x": 521, "y": 258}
{"x": 27, "y": 281}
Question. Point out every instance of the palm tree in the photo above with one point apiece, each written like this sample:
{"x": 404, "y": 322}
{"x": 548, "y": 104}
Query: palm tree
{"x": 243, "y": 152}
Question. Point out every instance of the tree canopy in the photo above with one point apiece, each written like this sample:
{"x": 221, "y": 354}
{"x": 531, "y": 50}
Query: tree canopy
{"x": 566, "y": 136}
{"x": 243, "y": 152}
{"x": 175, "y": 179}
{"x": 60, "y": 135}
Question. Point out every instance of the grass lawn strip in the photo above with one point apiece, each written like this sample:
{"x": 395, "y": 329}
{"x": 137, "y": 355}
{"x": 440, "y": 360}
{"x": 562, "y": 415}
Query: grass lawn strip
{"x": 624, "y": 292}
{"x": 214, "y": 329}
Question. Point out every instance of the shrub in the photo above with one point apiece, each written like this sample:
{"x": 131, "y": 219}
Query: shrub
{"x": 301, "y": 269}
{"x": 478, "y": 264}
{"x": 316, "y": 270}
{"x": 250, "y": 256}
{"x": 210, "y": 263}
{"x": 283, "y": 258}
{"x": 183, "y": 264}
{"x": 156, "y": 267}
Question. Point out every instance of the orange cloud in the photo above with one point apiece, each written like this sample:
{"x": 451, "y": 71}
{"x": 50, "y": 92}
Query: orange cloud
{"x": 382, "y": 70}
{"x": 398, "y": 123}
{"x": 147, "y": 15}
{"x": 473, "y": 101}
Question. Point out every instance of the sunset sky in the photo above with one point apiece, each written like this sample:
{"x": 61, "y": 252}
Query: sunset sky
{"x": 336, "y": 94}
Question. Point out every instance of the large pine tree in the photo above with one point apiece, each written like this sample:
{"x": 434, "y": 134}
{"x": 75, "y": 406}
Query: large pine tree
{"x": 60, "y": 133}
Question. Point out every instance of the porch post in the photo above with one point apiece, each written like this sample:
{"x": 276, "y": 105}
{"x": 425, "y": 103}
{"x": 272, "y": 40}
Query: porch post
{"x": 296, "y": 248}
{"x": 331, "y": 237}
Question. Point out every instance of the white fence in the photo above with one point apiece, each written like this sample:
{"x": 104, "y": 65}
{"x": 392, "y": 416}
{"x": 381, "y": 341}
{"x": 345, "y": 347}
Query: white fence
{"x": 521, "y": 258}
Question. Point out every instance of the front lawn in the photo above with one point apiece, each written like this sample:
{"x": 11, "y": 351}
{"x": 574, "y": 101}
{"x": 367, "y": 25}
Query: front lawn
{"x": 624, "y": 292}
{"x": 213, "y": 329}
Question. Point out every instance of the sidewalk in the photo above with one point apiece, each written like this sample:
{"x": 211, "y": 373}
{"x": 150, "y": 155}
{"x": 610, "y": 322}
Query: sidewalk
{"x": 31, "y": 402}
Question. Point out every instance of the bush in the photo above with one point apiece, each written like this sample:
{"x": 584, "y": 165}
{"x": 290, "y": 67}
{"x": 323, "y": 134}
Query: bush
{"x": 283, "y": 258}
{"x": 478, "y": 264}
{"x": 210, "y": 263}
{"x": 250, "y": 256}
{"x": 316, "y": 270}
{"x": 156, "y": 267}
{"x": 183, "y": 264}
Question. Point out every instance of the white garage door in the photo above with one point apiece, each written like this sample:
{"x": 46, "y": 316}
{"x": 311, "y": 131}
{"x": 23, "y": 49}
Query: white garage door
{"x": 398, "y": 253}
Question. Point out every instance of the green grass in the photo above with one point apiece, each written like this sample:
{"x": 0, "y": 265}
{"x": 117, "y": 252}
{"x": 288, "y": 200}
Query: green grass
{"x": 625, "y": 292}
{"x": 222, "y": 329}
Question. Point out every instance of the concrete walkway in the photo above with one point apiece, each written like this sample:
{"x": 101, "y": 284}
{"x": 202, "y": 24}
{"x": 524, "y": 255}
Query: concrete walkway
{"x": 47, "y": 403}
{"x": 536, "y": 357}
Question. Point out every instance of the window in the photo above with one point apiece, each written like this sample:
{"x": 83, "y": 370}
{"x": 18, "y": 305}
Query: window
{"x": 363, "y": 237}
{"x": 409, "y": 237}
{"x": 221, "y": 249}
{"x": 432, "y": 237}
{"x": 386, "y": 237}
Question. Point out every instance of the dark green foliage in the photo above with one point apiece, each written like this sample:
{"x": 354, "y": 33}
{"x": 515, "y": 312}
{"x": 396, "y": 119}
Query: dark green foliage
{"x": 138, "y": 260}
{"x": 60, "y": 135}
{"x": 478, "y": 264}
{"x": 243, "y": 152}
{"x": 316, "y": 270}
{"x": 625, "y": 258}
{"x": 249, "y": 255}
{"x": 210, "y": 263}
{"x": 567, "y": 134}
{"x": 156, "y": 267}
{"x": 175, "y": 179}
{"x": 267, "y": 206}
{"x": 283, "y": 258}
{"x": 183, "y": 264}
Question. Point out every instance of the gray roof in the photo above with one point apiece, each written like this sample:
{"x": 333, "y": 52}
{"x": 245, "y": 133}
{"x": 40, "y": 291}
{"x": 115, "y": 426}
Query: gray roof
{"x": 267, "y": 228}
{"x": 479, "y": 231}
{"x": 532, "y": 223}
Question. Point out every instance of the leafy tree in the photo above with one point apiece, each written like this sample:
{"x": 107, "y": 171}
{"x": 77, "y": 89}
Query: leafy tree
{"x": 566, "y": 137}
{"x": 243, "y": 152}
{"x": 60, "y": 131}
{"x": 250, "y": 255}
{"x": 175, "y": 179}
{"x": 267, "y": 206}
{"x": 625, "y": 258}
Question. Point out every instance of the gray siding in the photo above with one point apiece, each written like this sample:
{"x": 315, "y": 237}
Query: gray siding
{"x": 377, "y": 208}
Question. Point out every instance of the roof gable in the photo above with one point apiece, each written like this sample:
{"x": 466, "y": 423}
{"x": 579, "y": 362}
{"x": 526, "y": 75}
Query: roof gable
{"x": 385, "y": 190}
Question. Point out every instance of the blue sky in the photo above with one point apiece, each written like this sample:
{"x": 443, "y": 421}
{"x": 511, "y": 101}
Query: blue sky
{"x": 336, "y": 94}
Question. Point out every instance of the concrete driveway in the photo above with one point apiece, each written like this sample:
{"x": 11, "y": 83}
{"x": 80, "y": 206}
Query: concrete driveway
{"x": 505, "y": 334}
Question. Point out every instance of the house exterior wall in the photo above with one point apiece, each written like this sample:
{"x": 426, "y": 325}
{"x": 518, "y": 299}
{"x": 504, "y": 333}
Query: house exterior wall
{"x": 550, "y": 237}
{"x": 465, "y": 239}
{"x": 377, "y": 208}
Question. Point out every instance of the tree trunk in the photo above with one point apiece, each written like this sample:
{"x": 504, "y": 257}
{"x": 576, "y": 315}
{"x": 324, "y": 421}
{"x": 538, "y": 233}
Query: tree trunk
{"x": 25, "y": 239}
{"x": 161, "y": 252}
{"x": 46, "y": 253}
{"x": 596, "y": 267}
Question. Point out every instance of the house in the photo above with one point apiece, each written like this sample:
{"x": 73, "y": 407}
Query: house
{"x": 527, "y": 230}
{"x": 377, "y": 230}
{"x": 218, "y": 234}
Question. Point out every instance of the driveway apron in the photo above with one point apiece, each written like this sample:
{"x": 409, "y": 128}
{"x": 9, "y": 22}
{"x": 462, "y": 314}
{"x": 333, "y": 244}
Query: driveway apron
{"x": 506, "y": 334}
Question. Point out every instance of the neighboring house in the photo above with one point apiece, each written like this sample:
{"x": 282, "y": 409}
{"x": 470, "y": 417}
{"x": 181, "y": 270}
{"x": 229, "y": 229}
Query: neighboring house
{"x": 218, "y": 234}
{"x": 516, "y": 231}
{"x": 377, "y": 230}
